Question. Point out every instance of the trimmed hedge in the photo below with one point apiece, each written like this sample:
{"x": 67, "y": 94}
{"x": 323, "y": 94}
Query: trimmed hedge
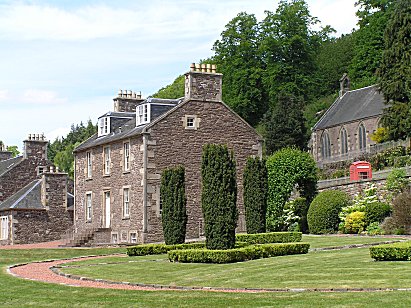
{"x": 323, "y": 213}
{"x": 272, "y": 237}
{"x": 251, "y": 252}
{"x": 392, "y": 252}
{"x": 157, "y": 249}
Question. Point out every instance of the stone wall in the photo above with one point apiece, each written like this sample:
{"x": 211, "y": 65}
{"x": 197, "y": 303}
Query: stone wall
{"x": 5, "y": 155}
{"x": 171, "y": 144}
{"x": 114, "y": 183}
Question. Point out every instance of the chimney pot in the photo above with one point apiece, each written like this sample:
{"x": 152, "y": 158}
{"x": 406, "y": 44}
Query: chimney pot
{"x": 51, "y": 169}
{"x": 213, "y": 68}
{"x": 192, "y": 67}
{"x": 198, "y": 67}
{"x": 208, "y": 67}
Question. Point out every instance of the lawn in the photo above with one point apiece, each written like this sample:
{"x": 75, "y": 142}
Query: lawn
{"x": 22, "y": 293}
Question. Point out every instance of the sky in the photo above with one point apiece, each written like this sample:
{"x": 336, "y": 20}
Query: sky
{"x": 63, "y": 62}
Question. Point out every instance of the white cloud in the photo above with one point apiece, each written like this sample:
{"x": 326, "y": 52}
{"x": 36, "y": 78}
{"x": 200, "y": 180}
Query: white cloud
{"x": 35, "y": 96}
{"x": 4, "y": 94}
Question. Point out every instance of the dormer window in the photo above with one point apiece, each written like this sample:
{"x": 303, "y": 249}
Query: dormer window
{"x": 104, "y": 126}
{"x": 143, "y": 114}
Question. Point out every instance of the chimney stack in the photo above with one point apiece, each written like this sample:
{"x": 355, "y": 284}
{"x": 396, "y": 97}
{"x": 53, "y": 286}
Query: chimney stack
{"x": 127, "y": 100}
{"x": 203, "y": 83}
{"x": 35, "y": 146}
{"x": 345, "y": 84}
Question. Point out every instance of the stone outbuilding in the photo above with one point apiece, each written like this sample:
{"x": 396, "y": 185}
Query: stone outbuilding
{"x": 34, "y": 203}
{"x": 343, "y": 132}
{"x": 118, "y": 171}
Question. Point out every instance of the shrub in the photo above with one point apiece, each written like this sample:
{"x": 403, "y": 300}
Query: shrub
{"x": 374, "y": 229}
{"x": 255, "y": 195}
{"x": 272, "y": 237}
{"x": 355, "y": 222}
{"x": 361, "y": 202}
{"x": 392, "y": 252}
{"x": 396, "y": 182}
{"x": 401, "y": 215}
{"x": 376, "y": 212}
{"x": 288, "y": 168}
{"x": 219, "y": 196}
{"x": 156, "y": 249}
{"x": 237, "y": 255}
{"x": 295, "y": 215}
{"x": 174, "y": 215}
{"x": 322, "y": 215}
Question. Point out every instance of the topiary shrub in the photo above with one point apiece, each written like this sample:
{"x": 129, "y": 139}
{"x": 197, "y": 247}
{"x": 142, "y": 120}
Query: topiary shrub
{"x": 355, "y": 222}
{"x": 219, "y": 196}
{"x": 322, "y": 215}
{"x": 255, "y": 195}
{"x": 157, "y": 249}
{"x": 392, "y": 252}
{"x": 271, "y": 237}
{"x": 174, "y": 215}
{"x": 376, "y": 212}
{"x": 287, "y": 169}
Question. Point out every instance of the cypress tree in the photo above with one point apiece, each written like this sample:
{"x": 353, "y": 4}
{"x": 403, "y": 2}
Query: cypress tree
{"x": 174, "y": 215}
{"x": 219, "y": 196}
{"x": 255, "y": 195}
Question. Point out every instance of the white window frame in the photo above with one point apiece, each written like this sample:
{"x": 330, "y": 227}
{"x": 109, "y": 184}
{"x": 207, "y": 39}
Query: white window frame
{"x": 4, "y": 230}
{"x": 106, "y": 160}
{"x": 191, "y": 122}
{"x": 133, "y": 239}
{"x": 89, "y": 206}
{"x": 126, "y": 202}
{"x": 143, "y": 114}
{"x": 104, "y": 126}
{"x": 89, "y": 164}
{"x": 114, "y": 238}
{"x": 126, "y": 154}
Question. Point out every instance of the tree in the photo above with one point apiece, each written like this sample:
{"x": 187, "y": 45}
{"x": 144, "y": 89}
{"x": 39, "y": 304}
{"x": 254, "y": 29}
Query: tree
{"x": 255, "y": 195}
{"x": 13, "y": 149}
{"x": 174, "y": 215}
{"x": 285, "y": 126}
{"x": 173, "y": 90}
{"x": 219, "y": 196}
{"x": 236, "y": 54}
{"x": 368, "y": 40}
{"x": 395, "y": 71}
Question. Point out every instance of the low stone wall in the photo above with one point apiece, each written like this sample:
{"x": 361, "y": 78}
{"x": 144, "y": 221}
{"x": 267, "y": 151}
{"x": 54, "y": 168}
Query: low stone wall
{"x": 355, "y": 187}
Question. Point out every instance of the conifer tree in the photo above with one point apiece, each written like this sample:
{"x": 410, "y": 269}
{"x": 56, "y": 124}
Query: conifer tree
{"x": 219, "y": 196}
{"x": 255, "y": 195}
{"x": 174, "y": 215}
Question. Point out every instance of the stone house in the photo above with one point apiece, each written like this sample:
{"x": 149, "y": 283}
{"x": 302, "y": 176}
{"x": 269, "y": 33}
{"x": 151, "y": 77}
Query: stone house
{"x": 343, "y": 132}
{"x": 118, "y": 171}
{"x": 34, "y": 203}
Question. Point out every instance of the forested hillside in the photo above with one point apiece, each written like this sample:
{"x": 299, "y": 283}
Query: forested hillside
{"x": 280, "y": 74}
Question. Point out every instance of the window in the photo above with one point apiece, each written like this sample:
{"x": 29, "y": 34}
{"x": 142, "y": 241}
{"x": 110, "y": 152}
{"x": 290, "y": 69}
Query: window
{"x": 161, "y": 206}
{"x": 4, "y": 228}
{"x": 143, "y": 114}
{"x": 126, "y": 202}
{"x": 344, "y": 141}
{"x": 126, "y": 151}
{"x": 114, "y": 238}
{"x": 107, "y": 160}
{"x": 133, "y": 237}
{"x": 325, "y": 145}
{"x": 104, "y": 126}
{"x": 40, "y": 170}
{"x": 88, "y": 206}
{"x": 362, "y": 141}
{"x": 190, "y": 122}
{"x": 89, "y": 166}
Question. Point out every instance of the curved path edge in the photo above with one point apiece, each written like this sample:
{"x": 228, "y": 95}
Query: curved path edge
{"x": 49, "y": 271}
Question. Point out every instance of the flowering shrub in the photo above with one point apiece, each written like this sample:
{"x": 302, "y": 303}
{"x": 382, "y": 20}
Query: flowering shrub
{"x": 360, "y": 203}
{"x": 355, "y": 222}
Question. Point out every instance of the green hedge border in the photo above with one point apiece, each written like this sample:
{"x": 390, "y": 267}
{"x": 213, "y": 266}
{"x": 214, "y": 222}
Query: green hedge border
{"x": 392, "y": 252}
{"x": 157, "y": 249}
{"x": 270, "y": 237}
{"x": 251, "y": 252}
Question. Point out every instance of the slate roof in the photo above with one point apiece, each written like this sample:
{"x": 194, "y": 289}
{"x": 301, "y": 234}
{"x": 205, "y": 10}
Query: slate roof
{"x": 353, "y": 106}
{"x": 5, "y": 165}
{"x": 29, "y": 197}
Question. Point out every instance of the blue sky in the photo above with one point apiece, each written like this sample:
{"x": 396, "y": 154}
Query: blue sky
{"x": 62, "y": 62}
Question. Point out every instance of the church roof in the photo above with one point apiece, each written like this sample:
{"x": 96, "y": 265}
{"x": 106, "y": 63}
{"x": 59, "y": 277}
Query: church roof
{"x": 353, "y": 106}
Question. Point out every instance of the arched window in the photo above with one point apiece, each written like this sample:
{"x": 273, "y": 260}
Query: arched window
{"x": 325, "y": 145}
{"x": 344, "y": 141}
{"x": 362, "y": 137}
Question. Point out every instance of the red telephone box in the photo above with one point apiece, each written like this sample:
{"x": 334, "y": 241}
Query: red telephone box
{"x": 360, "y": 170}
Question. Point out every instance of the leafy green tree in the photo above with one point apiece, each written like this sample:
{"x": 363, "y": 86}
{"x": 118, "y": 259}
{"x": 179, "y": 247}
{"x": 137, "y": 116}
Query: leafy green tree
{"x": 255, "y": 195}
{"x": 219, "y": 196}
{"x": 368, "y": 40}
{"x": 65, "y": 159}
{"x": 285, "y": 126}
{"x": 174, "y": 215}
{"x": 288, "y": 169}
{"x": 236, "y": 54}
{"x": 173, "y": 90}
{"x": 13, "y": 149}
{"x": 395, "y": 71}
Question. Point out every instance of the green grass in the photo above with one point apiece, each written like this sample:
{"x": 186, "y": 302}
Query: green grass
{"x": 317, "y": 241}
{"x": 23, "y": 293}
